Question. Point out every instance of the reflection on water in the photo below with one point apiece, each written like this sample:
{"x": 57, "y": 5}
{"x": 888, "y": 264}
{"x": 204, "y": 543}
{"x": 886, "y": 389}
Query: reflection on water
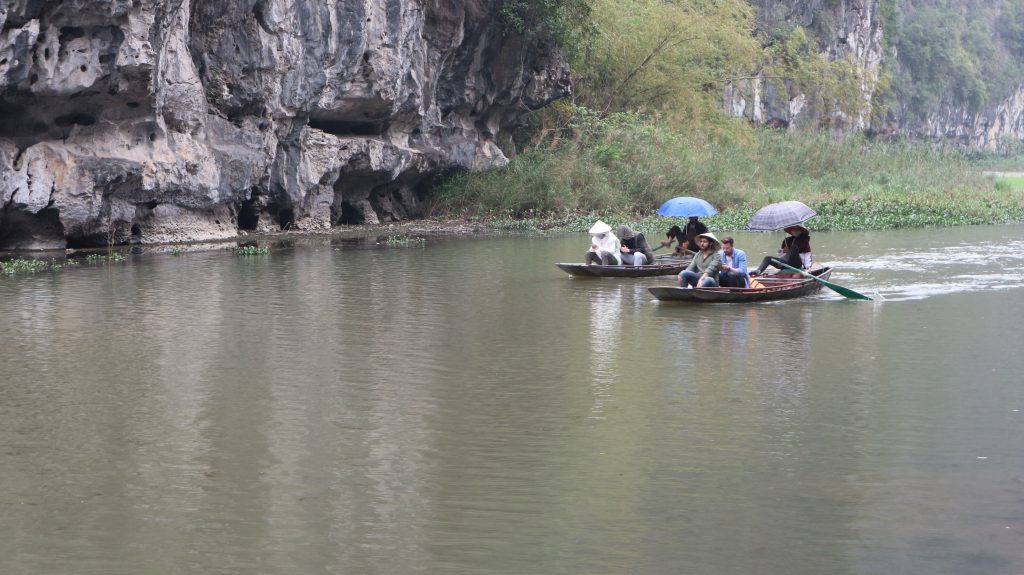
{"x": 606, "y": 345}
{"x": 465, "y": 407}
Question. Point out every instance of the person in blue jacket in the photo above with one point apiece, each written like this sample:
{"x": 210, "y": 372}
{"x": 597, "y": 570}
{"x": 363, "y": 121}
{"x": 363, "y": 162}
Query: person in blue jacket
{"x": 733, "y": 272}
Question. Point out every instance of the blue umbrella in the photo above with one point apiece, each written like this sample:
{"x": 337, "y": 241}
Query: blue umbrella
{"x": 686, "y": 207}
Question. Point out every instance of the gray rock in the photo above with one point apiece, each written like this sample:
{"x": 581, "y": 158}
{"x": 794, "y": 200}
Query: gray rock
{"x": 159, "y": 120}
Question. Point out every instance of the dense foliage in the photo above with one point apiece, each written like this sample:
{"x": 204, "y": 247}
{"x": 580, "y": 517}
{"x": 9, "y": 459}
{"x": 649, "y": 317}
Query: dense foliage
{"x": 646, "y": 121}
{"x": 956, "y": 53}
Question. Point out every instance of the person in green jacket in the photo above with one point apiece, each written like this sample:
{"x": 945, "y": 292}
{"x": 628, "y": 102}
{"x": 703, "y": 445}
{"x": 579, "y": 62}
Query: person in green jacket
{"x": 703, "y": 269}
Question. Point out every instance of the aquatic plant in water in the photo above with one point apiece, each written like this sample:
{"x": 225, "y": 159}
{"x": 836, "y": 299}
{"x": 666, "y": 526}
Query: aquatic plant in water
{"x": 251, "y": 250}
{"x": 22, "y": 265}
{"x": 400, "y": 240}
{"x": 114, "y": 257}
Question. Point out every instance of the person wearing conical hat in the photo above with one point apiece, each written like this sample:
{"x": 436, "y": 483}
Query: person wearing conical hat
{"x": 605, "y": 248}
{"x": 703, "y": 269}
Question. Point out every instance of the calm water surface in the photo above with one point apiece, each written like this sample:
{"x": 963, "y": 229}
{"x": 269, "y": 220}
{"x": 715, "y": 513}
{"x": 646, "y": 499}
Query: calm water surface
{"x": 467, "y": 408}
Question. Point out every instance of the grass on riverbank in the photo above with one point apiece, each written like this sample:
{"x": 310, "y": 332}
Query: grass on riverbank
{"x": 1009, "y": 183}
{"x": 623, "y": 171}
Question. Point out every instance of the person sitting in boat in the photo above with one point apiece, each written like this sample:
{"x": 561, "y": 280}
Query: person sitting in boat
{"x": 635, "y": 250}
{"x": 687, "y": 237}
{"x": 605, "y": 248}
{"x": 734, "y": 265}
{"x": 703, "y": 269}
{"x": 795, "y": 251}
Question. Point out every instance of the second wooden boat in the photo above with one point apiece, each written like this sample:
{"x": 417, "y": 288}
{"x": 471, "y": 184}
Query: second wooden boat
{"x": 771, "y": 288}
{"x": 661, "y": 267}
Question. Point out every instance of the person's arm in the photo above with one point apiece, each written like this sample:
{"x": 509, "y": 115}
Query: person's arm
{"x": 721, "y": 257}
{"x": 739, "y": 261}
{"x": 712, "y": 268}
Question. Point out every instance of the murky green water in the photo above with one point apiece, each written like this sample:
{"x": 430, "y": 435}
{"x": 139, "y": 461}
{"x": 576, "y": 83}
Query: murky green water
{"x": 467, "y": 408}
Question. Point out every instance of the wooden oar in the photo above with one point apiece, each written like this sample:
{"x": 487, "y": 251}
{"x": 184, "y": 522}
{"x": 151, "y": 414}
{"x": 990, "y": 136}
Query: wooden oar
{"x": 843, "y": 291}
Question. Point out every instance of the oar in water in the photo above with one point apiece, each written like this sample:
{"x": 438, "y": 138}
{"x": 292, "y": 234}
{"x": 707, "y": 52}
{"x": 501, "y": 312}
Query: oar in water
{"x": 843, "y": 291}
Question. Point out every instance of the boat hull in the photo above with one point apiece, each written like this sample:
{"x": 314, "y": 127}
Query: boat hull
{"x": 662, "y": 268}
{"x": 774, "y": 289}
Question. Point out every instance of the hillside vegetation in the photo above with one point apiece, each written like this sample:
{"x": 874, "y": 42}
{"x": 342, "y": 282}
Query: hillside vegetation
{"x": 646, "y": 124}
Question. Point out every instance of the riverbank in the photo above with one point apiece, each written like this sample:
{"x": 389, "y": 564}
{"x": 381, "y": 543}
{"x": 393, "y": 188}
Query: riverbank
{"x": 631, "y": 167}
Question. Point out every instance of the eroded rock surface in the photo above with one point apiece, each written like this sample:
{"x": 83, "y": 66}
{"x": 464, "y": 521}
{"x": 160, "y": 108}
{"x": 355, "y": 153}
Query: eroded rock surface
{"x": 158, "y": 121}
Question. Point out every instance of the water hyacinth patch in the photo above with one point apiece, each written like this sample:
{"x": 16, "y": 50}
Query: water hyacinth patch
{"x": 251, "y": 250}
{"x": 28, "y": 266}
{"x": 402, "y": 241}
{"x": 114, "y": 257}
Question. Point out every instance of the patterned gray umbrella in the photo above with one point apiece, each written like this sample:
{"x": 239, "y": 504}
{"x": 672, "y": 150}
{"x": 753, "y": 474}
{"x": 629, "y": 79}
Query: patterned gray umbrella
{"x": 780, "y": 215}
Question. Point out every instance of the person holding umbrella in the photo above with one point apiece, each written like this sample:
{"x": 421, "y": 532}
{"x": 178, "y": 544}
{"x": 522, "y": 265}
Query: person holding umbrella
{"x": 686, "y": 207}
{"x": 795, "y": 251}
{"x": 686, "y": 236}
{"x": 703, "y": 269}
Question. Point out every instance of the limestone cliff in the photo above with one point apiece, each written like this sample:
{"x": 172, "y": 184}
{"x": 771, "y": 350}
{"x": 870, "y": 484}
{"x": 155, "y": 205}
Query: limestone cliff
{"x": 171, "y": 120}
{"x": 848, "y": 30}
{"x": 957, "y": 79}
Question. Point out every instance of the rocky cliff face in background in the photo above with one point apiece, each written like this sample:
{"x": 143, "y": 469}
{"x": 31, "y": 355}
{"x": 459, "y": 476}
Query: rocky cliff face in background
{"x": 172, "y": 120}
{"x": 998, "y": 127}
{"x": 852, "y": 30}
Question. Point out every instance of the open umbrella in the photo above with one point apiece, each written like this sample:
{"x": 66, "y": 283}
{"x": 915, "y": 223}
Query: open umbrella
{"x": 780, "y": 215}
{"x": 686, "y": 207}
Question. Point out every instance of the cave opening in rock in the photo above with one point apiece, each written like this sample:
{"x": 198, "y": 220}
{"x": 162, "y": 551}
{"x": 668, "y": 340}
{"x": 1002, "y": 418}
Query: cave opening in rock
{"x": 23, "y": 230}
{"x": 136, "y": 231}
{"x": 350, "y": 215}
{"x": 248, "y": 215}
{"x": 349, "y": 128}
{"x": 285, "y": 217}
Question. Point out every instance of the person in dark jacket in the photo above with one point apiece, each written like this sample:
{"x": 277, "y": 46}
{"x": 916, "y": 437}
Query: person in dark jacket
{"x": 795, "y": 251}
{"x": 635, "y": 250}
{"x": 686, "y": 236}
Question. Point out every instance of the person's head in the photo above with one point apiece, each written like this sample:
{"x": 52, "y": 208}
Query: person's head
{"x": 626, "y": 233}
{"x": 727, "y": 245}
{"x": 693, "y": 219}
{"x": 708, "y": 242}
{"x": 795, "y": 230}
{"x": 600, "y": 229}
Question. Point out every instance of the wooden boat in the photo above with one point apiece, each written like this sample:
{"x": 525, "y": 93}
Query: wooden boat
{"x": 772, "y": 288}
{"x": 661, "y": 267}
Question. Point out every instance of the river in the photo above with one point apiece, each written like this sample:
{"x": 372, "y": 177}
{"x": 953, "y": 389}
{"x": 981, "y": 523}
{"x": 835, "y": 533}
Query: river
{"x": 464, "y": 407}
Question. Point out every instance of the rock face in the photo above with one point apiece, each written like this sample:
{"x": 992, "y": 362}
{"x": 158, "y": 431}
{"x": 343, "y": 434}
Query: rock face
{"x": 853, "y": 31}
{"x": 999, "y": 127}
{"x": 850, "y": 30}
{"x": 173, "y": 120}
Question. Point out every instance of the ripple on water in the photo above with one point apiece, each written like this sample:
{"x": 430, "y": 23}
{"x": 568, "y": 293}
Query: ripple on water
{"x": 914, "y": 274}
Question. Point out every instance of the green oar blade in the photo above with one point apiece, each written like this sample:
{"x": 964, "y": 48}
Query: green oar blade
{"x": 843, "y": 291}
